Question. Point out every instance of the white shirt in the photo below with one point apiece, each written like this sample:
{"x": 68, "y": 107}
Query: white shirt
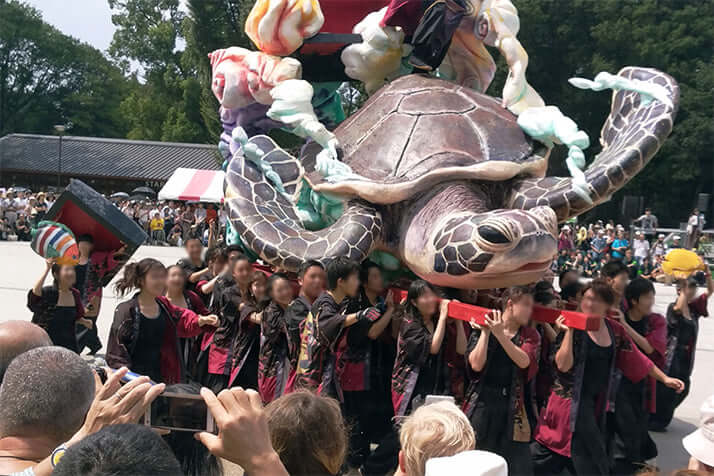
{"x": 693, "y": 222}
{"x": 641, "y": 248}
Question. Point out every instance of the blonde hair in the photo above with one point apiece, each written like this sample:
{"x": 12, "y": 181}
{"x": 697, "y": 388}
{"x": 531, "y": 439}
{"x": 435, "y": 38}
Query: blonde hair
{"x": 440, "y": 429}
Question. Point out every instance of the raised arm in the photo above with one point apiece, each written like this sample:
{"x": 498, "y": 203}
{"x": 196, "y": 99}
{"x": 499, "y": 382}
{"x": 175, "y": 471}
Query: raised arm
{"x": 515, "y": 353}
{"x": 460, "y": 338}
{"x": 37, "y": 288}
{"x": 378, "y": 327}
{"x": 196, "y": 277}
{"x": 564, "y": 357}
{"x": 477, "y": 357}
{"x": 440, "y": 330}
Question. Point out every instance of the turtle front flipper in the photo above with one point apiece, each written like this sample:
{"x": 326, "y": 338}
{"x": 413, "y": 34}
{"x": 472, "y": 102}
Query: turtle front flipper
{"x": 268, "y": 222}
{"x": 630, "y": 137}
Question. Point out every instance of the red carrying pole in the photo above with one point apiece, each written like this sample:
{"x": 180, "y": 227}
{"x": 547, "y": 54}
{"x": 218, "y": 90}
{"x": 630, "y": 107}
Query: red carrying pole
{"x": 469, "y": 312}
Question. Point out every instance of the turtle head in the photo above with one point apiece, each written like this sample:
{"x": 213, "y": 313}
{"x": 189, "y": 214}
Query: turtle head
{"x": 490, "y": 250}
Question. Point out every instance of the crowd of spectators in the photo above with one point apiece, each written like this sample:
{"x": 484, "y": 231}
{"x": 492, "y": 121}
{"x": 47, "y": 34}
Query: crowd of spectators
{"x": 21, "y": 211}
{"x": 167, "y": 223}
{"x": 587, "y": 248}
{"x": 171, "y": 223}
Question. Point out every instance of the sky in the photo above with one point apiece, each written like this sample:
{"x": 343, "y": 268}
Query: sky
{"x": 88, "y": 20}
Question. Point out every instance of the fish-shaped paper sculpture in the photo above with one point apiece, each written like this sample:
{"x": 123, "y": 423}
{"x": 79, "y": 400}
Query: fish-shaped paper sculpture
{"x": 55, "y": 240}
{"x": 681, "y": 263}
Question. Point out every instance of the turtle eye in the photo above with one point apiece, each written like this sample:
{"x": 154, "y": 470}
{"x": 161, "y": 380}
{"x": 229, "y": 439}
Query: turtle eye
{"x": 496, "y": 234}
{"x": 492, "y": 235}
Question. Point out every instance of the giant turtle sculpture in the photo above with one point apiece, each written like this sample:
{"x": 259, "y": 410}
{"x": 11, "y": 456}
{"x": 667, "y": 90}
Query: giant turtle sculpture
{"x": 445, "y": 180}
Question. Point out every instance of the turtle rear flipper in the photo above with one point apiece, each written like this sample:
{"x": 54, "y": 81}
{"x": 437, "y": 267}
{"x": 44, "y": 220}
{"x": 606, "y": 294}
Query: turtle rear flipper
{"x": 268, "y": 222}
{"x": 630, "y": 137}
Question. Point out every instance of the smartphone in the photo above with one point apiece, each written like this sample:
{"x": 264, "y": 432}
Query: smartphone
{"x": 438, "y": 398}
{"x": 180, "y": 412}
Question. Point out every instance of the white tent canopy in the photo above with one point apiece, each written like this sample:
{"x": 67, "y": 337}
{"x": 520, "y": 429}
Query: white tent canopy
{"x": 194, "y": 185}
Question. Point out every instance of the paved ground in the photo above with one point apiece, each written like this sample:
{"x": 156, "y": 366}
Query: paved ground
{"x": 21, "y": 268}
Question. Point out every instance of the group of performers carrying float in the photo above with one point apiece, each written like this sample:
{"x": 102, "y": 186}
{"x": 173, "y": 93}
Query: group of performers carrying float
{"x": 346, "y": 348}
{"x": 522, "y": 382}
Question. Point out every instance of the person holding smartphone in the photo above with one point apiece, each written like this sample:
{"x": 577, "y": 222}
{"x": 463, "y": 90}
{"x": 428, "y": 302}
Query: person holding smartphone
{"x": 421, "y": 367}
{"x": 146, "y": 329}
{"x": 571, "y": 430}
{"x": 502, "y": 357}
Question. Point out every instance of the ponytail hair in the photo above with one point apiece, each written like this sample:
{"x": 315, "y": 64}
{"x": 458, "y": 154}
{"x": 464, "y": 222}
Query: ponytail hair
{"x": 134, "y": 273}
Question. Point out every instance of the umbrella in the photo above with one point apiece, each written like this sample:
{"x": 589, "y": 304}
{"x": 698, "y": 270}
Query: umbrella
{"x": 143, "y": 191}
{"x": 139, "y": 198}
{"x": 119, "y": 195}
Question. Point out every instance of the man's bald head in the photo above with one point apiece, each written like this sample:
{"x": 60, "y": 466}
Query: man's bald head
{"x": 17, "y": 337}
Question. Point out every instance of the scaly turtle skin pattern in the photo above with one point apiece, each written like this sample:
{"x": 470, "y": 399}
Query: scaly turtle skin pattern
{"x": 445, "y": 180}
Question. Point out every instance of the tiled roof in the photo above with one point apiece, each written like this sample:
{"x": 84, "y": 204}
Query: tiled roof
{"x": 101, "y": 157}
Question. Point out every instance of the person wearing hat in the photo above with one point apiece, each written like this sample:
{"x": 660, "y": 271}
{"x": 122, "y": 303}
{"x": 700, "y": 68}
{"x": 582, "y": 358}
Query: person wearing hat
{"x": 659, "y": 248}
{"x": 640, "y": 248}
{"x": 11, "y": 205}
{"x": 676, "y": 243}
{"x": 565, "y": 240}
{"x": 682, "y": 331}
{"x": 41, "y": 206}
{"x": 700, "y": 443}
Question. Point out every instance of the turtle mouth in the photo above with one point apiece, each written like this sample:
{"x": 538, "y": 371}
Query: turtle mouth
{"x": 535, "y": 266}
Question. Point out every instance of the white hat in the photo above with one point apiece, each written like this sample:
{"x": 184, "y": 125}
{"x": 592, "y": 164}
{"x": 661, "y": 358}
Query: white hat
{"x": 700, "y": 444}
{"x": 468, "y": 463}
{"x": 566, "y": 227}
{"x": 660, "y": 235}
{"x": 676, "y": 237}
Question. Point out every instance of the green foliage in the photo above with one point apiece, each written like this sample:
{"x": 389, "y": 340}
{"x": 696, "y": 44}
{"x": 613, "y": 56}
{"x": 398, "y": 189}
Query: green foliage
{"x": 49, "y": 78}
{"x": 567, "y": 38}
{"x": 175, "y": 102}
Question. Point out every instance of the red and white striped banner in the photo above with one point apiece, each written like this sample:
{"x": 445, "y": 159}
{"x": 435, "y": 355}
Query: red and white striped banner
{"x": 194, "y": 185}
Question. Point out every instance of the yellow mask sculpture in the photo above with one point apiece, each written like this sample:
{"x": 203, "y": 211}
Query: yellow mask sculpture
{"x": 681, "y": 263}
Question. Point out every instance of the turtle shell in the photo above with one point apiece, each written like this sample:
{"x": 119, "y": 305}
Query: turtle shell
{"x": 419, "y": 131}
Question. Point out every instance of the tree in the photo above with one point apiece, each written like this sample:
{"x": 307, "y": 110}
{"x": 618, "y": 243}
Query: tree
{"x": 566, "y": 38}
{"x": 165, "y": 105}
{"x": 47, "y": 78}
{"x": 175, "y": 101}
{"x": 210, "y": 26}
